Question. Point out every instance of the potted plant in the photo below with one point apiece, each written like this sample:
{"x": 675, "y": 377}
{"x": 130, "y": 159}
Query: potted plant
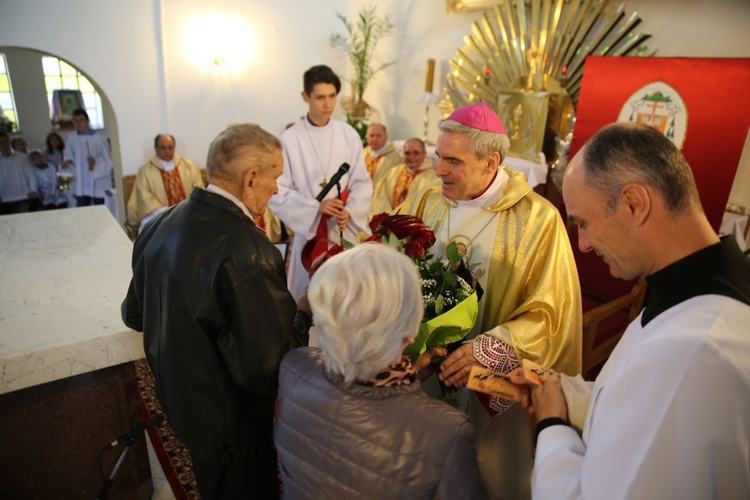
{"x": 6, "y": 125}
{"x": 358, "y": 44}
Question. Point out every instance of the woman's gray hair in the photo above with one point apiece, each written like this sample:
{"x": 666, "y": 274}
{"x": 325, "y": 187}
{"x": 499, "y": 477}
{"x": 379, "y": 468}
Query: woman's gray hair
{"x": 365, "y": 302}
{"x": 481, "y": 143}
{"x": 240, "y": 139}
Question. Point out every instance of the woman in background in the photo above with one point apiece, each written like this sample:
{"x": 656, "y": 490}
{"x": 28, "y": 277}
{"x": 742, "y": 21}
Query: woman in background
{"x": 54, "y": 152}
{"x": 352, "y": 419}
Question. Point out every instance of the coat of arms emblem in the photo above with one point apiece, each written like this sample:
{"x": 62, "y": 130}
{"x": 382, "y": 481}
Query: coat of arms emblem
{"x": 660, "y": 106}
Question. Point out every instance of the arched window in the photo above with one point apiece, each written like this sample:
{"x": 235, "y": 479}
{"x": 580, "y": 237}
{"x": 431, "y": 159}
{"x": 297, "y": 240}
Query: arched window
{"x": 7, "y": 103}
{"x": 58, "y": 75}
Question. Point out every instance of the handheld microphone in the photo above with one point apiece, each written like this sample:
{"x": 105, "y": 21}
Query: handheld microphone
{"x": 344, "y": 168}
{"x": 155, "y": 420}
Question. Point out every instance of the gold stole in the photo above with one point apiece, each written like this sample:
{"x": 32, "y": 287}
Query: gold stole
{"x": 405, "y": 179}
{"x": 372, "y": 164}
{"x": 173, "y": 186}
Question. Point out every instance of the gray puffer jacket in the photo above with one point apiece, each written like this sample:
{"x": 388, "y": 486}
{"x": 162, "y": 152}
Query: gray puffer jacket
{"x": 338, "y": 440}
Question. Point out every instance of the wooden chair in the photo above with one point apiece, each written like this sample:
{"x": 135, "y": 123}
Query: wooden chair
{"x": 127, "y": 187}
{"x": 604, "y": 325}
{"x": 128, "y": 181}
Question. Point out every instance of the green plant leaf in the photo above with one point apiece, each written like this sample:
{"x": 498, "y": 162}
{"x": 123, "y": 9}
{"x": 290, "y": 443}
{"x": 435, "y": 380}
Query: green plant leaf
{"x": 454, "y": 256}
{"x": 346, "y": 243}
{"x": 439, "y": 303}
{"x": 449, "y": 278}
{"x": 359, "y": 45}
{"x": 394, "y": 242}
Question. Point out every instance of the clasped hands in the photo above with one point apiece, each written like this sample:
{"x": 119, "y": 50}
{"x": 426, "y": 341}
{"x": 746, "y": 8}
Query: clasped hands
{"x": 546, "y": 400}
{"x": 335, "y": 208}
{"x": 90, "y": 159}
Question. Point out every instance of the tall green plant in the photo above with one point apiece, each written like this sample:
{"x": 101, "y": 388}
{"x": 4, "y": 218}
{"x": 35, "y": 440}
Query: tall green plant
{"x": 359, "y": 45}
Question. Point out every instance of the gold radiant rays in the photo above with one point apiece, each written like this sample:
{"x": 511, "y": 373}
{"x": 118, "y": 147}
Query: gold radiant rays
{"x": 520, "y": 44}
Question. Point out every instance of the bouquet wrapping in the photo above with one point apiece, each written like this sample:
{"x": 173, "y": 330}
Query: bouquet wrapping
{"x": 450, "y": 326}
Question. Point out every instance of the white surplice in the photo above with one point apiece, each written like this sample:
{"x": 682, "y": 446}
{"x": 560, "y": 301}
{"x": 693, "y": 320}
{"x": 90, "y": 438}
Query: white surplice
{"x": 311, "y": 155}
{"x": 669, "y": 415}
{"x": 89, "y": 182}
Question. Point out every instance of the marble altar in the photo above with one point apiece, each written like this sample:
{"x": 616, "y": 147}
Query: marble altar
{"x": 67, "y": 381}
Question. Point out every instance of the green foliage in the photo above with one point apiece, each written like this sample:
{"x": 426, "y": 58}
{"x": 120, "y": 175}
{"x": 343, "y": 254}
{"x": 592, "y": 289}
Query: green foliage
{"x": 346, "y": 244}
{"x": 360, "y": 126}
{"x": 359, "y": 43}
{"x": 442, "y": 288}
{"x": 6, "y": 125}
{"x": 454, "y": 257}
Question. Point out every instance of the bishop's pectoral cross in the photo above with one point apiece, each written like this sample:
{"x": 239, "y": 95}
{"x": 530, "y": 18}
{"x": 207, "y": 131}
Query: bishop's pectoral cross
{"x": 324, "y": 183}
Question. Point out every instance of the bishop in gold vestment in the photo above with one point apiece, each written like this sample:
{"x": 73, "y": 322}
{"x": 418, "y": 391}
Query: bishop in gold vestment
{"x": 532, "y": 302}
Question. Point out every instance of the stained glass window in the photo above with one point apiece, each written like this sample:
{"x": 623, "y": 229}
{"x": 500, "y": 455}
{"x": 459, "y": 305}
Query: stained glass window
{"x": 58, "y": 74}
{"x": 7, "y": 103}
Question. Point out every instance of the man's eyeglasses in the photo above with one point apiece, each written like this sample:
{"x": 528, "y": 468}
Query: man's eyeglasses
{"x": 413, "y": 153}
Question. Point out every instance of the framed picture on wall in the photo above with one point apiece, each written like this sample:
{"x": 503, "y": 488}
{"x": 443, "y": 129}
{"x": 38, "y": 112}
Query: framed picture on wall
{"x": 64, "y": 102}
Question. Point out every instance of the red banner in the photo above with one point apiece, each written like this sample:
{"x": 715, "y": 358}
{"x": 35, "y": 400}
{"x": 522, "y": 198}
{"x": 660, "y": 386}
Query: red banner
{"x": 714, "y": 112}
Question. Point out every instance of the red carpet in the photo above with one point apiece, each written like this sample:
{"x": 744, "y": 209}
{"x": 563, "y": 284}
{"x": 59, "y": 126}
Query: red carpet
{"x": 173, "y": 456}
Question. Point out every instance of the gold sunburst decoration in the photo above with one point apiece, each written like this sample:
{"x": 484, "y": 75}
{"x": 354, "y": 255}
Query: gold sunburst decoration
{"x": 521, "y": 50}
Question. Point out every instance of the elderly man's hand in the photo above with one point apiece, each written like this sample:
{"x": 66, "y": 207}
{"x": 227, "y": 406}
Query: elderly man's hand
{"x": 454, "y": 371}
{"x": 425, "y": 366}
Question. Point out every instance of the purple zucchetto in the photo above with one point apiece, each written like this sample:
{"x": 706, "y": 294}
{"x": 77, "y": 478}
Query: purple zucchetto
{"x": 479, "y": 116}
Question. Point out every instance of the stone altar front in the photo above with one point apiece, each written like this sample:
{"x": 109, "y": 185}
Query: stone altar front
{"x": 67, "y": 382}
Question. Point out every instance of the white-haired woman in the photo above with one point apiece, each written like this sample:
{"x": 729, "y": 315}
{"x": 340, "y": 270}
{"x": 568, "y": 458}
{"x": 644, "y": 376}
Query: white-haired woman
{"x": 353, "y": 420}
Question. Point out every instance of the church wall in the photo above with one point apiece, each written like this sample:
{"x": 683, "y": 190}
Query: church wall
{"x": 137, "y": 55}
{"x": 679, "y": 28}
{"x": 113, "y": 45}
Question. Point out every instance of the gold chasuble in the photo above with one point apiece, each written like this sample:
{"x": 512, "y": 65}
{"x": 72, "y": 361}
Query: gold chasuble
{"x": 532, "y": 300}
{"x": 378, "y": 166}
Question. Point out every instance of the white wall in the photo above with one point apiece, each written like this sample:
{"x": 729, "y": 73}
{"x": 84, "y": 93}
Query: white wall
{"x": 113, "y": 45}
{"x": 291, "y": 37}
{"x": 135, "y": 51}
{"x": 687, "y": 28}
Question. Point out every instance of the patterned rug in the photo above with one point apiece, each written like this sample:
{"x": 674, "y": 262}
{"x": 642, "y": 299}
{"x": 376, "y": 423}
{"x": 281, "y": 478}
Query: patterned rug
{"x": 173, "y": 456}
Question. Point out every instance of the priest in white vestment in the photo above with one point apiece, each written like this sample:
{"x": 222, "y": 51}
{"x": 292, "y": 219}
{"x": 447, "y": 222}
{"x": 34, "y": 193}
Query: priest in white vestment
{"x": 315, "y": 147}
{"x": 87, "y": 154}
{"x": 669, "y": 414}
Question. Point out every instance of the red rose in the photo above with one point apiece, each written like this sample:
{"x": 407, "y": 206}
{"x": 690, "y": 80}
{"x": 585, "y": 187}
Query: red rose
{"x": 376, "y": 221}
{"x": 373, "y": 237}
{"x": 426, "y": 235}
{"x": 415, "y": 248}
{"x": 403, "y": 226}
{"x": 334, "y": 250}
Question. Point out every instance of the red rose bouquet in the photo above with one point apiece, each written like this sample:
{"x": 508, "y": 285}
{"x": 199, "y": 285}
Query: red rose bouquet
{"x": 449, "y": 298}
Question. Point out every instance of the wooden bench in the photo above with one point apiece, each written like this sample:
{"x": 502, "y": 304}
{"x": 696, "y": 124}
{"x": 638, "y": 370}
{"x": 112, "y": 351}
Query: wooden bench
{"x": 129, "y": 180}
